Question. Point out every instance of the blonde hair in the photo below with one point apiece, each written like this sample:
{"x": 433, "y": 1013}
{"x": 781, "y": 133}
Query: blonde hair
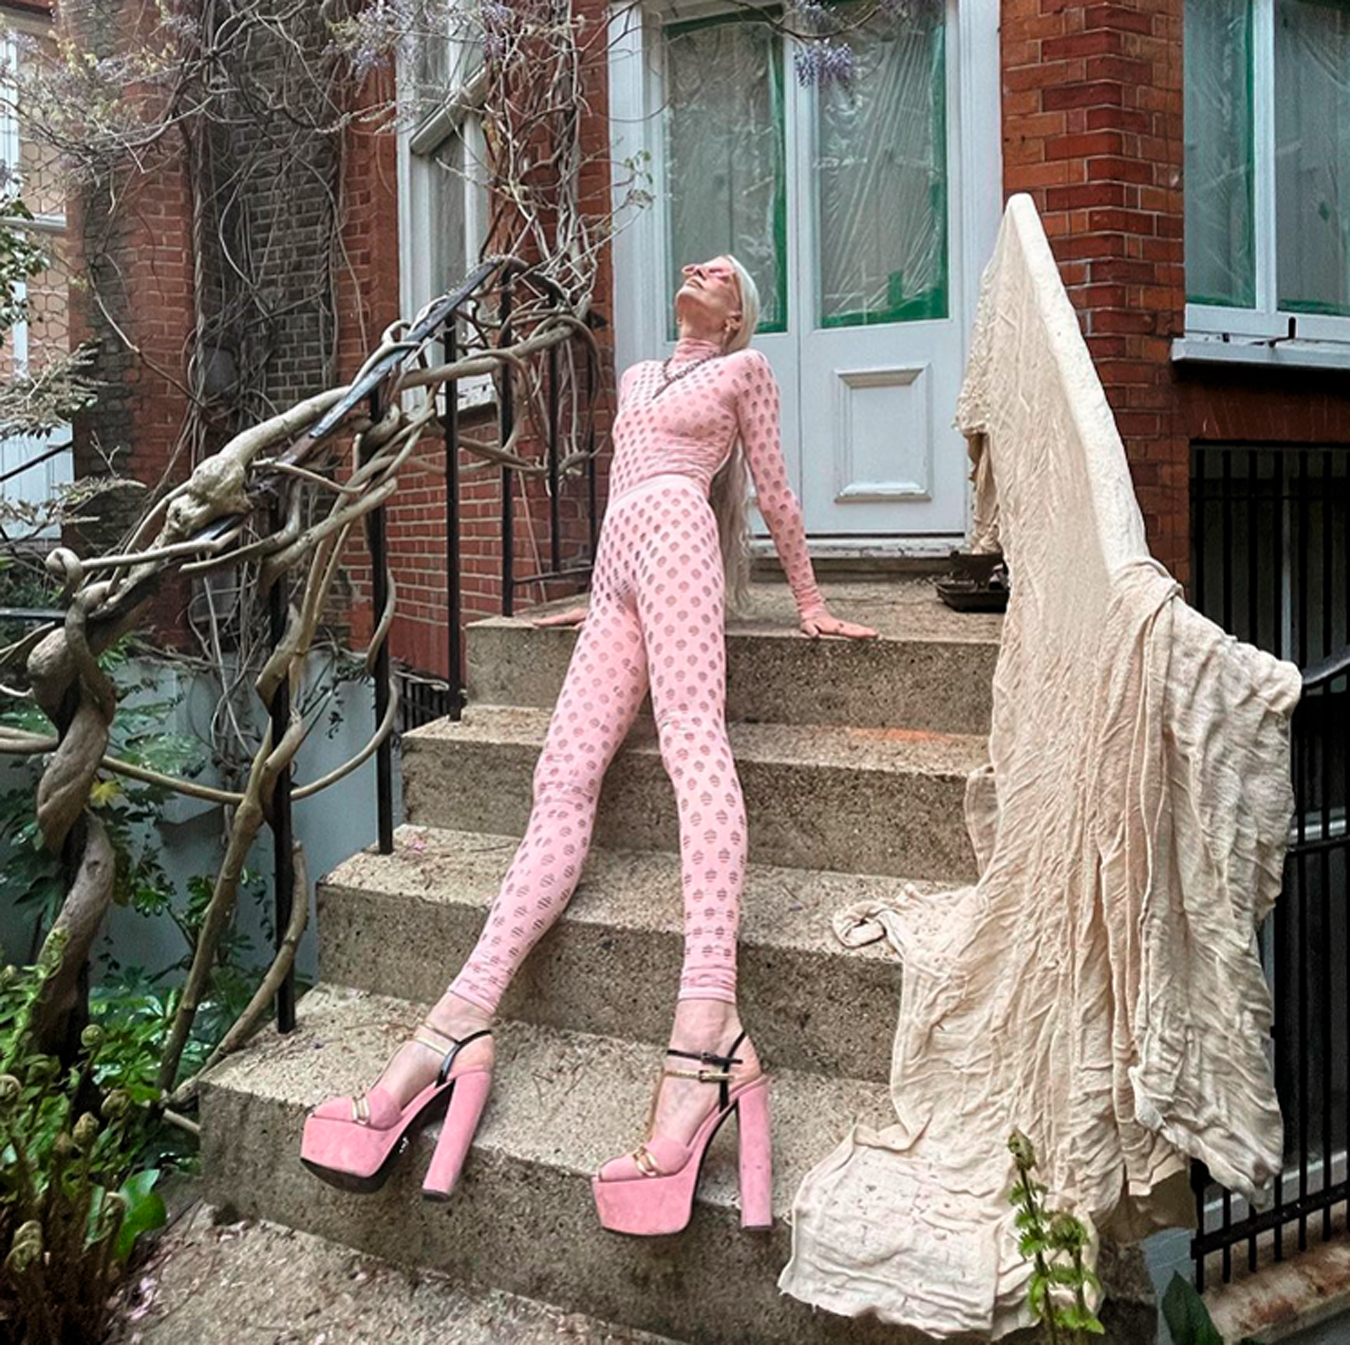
{"x": 731, "y": 484}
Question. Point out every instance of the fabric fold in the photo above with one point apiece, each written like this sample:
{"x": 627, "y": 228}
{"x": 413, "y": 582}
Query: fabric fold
{"x": 1098, "y": 986}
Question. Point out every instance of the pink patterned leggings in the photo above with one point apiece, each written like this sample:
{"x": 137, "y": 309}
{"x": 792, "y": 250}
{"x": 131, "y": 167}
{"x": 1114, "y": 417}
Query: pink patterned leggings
{"x": 655, "y": 618}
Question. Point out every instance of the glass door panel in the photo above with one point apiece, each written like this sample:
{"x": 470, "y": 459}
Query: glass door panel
{"x": 881, "y": 176}
{"x": 725, "y": 163}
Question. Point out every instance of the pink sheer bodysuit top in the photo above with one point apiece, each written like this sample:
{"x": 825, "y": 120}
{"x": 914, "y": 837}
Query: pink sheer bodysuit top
{"x": 689, "y": 429}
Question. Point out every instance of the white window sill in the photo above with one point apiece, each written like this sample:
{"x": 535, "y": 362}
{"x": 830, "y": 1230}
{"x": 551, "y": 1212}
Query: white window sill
{"x": 476, "y": 393}
{"x": 477, "y": 390}
{"x": 1208, "y": 348}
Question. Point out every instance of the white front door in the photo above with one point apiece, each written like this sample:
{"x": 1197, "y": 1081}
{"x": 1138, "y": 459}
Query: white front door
{"x": 845, "y": 199}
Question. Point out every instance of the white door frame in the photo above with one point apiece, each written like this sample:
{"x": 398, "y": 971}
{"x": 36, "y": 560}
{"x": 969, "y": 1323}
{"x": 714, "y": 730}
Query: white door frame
{"x": 975, "y": 137}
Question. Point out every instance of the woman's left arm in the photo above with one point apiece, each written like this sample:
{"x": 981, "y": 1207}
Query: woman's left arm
{"x": 758, "y": 415}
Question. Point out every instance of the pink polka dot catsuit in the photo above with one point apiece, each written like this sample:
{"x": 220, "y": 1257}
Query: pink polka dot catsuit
{"x": 655, "y": 619}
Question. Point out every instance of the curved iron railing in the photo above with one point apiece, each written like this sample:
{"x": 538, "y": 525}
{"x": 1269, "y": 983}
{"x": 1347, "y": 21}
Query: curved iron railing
{"x": 372, "y": 389}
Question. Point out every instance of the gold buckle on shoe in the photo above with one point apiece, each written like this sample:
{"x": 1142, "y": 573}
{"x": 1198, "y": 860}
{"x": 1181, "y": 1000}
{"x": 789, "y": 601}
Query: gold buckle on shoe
{"x": 645, "y": 1162}
{"x": 361, "y": 1110}
{"x": 702, "y": 1075}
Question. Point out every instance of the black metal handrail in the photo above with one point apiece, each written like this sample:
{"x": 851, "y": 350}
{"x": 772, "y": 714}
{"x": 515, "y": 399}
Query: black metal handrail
{"x": 266, "y": 490}
{"x": 374, "y": 387}
{"x": 1327, "y": 669}
{"x": 1296, "y": 1208}
{"x": 510, "y": 581}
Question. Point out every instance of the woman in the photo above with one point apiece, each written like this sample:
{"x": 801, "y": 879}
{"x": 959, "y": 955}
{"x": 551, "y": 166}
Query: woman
{"x": 671, "y": 553}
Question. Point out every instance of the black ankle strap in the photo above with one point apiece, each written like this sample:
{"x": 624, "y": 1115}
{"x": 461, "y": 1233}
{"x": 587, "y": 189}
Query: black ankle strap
{"x": 443, "y": 1073}
{"x": 723, "y": 1062}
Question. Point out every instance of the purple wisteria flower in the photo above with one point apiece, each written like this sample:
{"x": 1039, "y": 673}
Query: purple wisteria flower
{"x": 371, "y": 35}
{"x": 814, "y": 15}
{"x": 821, "y": 62}
{"x": 495, "y": 16}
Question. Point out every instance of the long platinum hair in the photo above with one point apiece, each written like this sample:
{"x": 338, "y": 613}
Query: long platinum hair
{"x": 732, "y": 483}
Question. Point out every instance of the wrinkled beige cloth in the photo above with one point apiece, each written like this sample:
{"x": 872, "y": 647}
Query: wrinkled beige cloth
{"x": 1098, "y": 986}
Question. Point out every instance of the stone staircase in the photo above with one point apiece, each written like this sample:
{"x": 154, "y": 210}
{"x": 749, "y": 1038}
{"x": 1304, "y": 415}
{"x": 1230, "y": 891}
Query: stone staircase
{"x": 852, "y": 756}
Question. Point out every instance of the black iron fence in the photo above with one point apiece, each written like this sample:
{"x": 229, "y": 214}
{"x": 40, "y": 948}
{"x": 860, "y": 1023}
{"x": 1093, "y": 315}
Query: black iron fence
{"x": 1270, "y": 564}
{"x": 422, "y": 698}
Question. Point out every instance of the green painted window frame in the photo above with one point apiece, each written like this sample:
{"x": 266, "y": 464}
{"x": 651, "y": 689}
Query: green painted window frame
{"x": 934, "y": 302}
{"x": 776, "y": 95}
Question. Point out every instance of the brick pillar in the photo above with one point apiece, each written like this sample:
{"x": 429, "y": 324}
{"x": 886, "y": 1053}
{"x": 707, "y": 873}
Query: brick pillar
{"x": 1092, "y": 129}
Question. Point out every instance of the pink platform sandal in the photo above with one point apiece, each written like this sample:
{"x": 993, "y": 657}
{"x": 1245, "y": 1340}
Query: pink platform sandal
{"x": 650, "y": 1192}
{"x": 352, "y": 1142}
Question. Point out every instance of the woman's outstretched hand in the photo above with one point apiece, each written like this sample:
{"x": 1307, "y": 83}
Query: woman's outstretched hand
{"x": 820, "y": 622}
{"x": 575, "y": 616}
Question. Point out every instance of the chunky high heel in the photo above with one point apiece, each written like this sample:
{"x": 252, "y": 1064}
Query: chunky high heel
{"x": 352, "y": 1142}
{"x": 650, "y": 1192}
{"x": 467, "y": 1101}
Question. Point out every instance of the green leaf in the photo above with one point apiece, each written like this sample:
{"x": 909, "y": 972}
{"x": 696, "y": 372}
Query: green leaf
{"x": 1036, "y": 1295}
{"x": 1079, "y": 1319}
{"x": 1186, "y": 1315}
{"x": 145, "y": 1210}
{"x": 1067, "y": 1275}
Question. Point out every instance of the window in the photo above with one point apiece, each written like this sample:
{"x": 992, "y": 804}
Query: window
{"x": 443, "y": 194}
{"x": 1267, "y": 156}
{"x": 33, "y": 466}
{"x": 867, "y": 205}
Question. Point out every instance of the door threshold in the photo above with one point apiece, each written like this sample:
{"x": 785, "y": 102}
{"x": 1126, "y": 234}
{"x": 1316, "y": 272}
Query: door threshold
{"x": 860, "y": 555}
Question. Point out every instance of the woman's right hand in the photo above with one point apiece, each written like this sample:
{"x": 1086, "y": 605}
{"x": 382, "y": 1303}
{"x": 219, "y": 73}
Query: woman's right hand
{"x": 573, "y": 617}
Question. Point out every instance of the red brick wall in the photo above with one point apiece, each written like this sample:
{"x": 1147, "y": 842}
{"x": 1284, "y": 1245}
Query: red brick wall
{"x": 1242, "y": 404}
{"x": 367, "y": 289}
{"x": 143, "y": 262}
{"x": 1092, "y": 129}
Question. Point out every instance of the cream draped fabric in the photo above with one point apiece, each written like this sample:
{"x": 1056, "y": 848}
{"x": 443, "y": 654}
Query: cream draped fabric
{"x": 1098, "y": 987}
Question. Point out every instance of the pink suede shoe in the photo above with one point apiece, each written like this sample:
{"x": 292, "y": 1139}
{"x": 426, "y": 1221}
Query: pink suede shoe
{"x": 352, "y": 1142}
{"x": 650, "y": 1192}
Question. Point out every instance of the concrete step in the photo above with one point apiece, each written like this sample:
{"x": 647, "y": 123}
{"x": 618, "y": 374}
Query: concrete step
{"x": 931, "y": 668}
{"x": 856, "y": 800}
{"x": 611, "y": 963}
{"x": 219, "y": 1280}
{"x": 522, "y": 1217}
{"x": 562, "y": 1103}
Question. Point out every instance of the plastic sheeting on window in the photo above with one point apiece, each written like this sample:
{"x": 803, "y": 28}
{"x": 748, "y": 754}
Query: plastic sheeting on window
{"x": 449, "y": 233}
{"x": 881, "y": 176}
{"x": 1312, "y": 155}
{"x": 1220, "y": 231}
{"x": 724, "y": 156}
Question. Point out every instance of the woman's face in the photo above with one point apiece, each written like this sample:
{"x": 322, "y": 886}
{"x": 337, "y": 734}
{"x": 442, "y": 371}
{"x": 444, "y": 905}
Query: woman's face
{"x": 711, "y": 288}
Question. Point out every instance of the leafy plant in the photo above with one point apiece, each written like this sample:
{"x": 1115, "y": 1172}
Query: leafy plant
{"x": 74, "y": 1196}
{"x": 1188, "y": 1319}
{"x": 21, "y": 255}
{"x": 31, "y": 877}
{"x": 1053, "y": 1241}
